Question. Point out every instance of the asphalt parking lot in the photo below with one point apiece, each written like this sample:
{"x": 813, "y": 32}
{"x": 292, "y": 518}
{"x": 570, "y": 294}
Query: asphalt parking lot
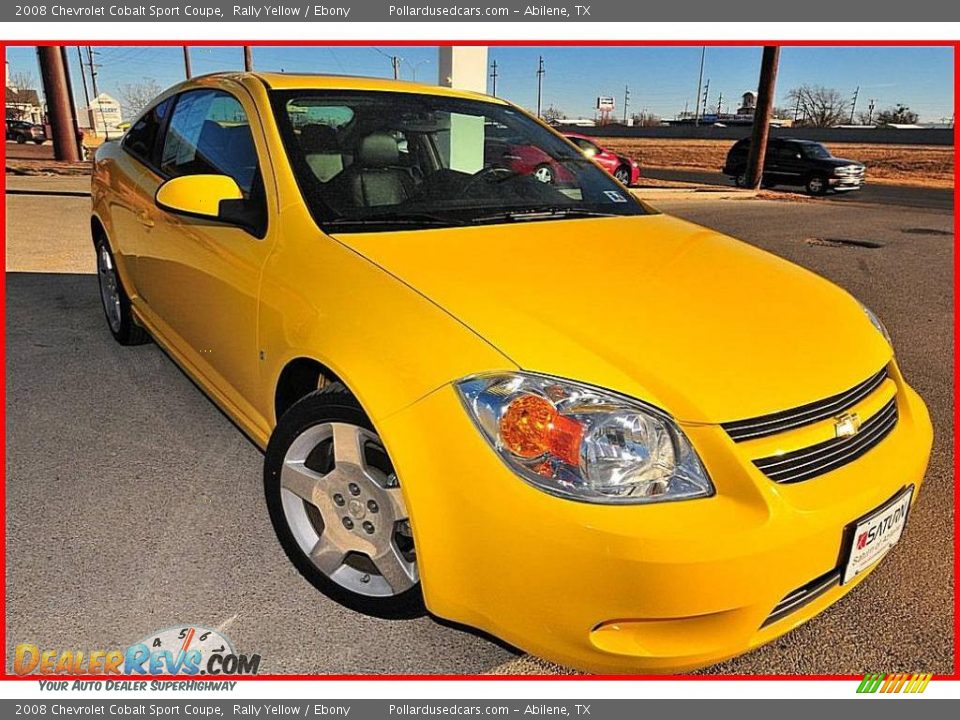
{"x": 133, "y": 504}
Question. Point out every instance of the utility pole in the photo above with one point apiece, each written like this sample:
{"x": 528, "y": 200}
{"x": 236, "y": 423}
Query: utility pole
{"x": 395, "y": 62}
{"x": 703, "y": 55}
{"x": 626, "y": 102}
{"x": 247, "y": 58}
{"x": 796, "y": 110}
{"x": 86, "y": 93}
{"x": 96, "y": 93}
{"x": 187, "y": 70}
{"x": 706, "y": 94}
{"x": 853, "y": 105}
{"x": 493, "y": 76}
{"x": 540, "y": 74}
{"x": 719, "y": 103}
{"x": 870, "y": 108}
{"x": 60, "y": 114}
{"x": 761, "y": 115}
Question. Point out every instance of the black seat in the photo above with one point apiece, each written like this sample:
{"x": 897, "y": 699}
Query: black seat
{"x": 376, "y": 177}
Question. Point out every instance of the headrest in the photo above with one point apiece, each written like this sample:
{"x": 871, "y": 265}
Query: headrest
{"x": 378, "y": 149}
{"x": 316, "y": 138}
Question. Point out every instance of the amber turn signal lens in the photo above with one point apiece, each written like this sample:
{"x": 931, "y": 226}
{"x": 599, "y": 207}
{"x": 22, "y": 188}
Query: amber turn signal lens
{"x": 531, "y": 427}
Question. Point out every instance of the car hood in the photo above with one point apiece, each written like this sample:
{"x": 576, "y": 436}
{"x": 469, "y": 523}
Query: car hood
{"x": 836, "y": 162}
{"x": 704, "y": 326}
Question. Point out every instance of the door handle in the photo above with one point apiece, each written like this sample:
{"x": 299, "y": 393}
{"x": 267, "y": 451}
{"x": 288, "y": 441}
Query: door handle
{"x": 144, "y": 219}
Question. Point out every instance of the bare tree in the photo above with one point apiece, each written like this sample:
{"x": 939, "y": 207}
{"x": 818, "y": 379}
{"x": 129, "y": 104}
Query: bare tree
{"x": 134, "y": 97}
{"x": 819, "y": 106}
{"x": 553, "y": 115}
{"x": 22, "y": 80}
{"x": 646, "y": 119}
{"x": 899, "y": 115}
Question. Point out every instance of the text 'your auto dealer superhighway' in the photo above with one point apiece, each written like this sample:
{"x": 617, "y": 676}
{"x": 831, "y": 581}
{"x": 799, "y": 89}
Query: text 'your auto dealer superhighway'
{"x": 189, "y": 11}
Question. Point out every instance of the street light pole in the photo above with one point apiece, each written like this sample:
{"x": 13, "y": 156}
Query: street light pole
{"x": 188, "y": 71}
{"x": 247, "y": 58}
{"x": 540, "y": 74}
{"x": 59, "y": 113}
{"x": 696, "y": 116}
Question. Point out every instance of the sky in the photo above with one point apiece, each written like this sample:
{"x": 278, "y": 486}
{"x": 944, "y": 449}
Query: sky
{"x": 662, "y": 80}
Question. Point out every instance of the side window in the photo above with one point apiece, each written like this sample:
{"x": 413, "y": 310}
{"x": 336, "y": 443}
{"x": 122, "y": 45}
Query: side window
{"x": 209, "y": 133}
{"x": 141, "y": 139}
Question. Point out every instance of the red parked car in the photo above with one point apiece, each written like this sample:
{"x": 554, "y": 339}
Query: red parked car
{"x": 524, "y": 159}
{"x": 624, "y": 169}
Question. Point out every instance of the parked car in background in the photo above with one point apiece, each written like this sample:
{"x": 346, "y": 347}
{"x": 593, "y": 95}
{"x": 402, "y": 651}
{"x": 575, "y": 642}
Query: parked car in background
{"x": 790, "y": 161}
{"x": 23, "y": 131}
{"x": 523, "y": 159}
{"x": 621, "y": 167}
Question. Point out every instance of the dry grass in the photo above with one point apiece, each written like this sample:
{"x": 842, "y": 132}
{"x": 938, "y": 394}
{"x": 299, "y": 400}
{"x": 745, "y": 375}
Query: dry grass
{"x": 918, "y": 165}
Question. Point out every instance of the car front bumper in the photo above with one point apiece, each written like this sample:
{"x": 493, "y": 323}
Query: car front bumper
{"x": 636, "y": 589}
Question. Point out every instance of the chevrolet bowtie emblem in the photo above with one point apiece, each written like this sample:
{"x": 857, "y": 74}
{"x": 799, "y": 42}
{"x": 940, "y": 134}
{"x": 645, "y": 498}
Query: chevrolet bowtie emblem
{"x": 847, "y": 425}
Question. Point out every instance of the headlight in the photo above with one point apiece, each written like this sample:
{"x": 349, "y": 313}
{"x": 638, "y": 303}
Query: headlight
{"x": 877, "y": 324}
{"x": 582, "y": 443}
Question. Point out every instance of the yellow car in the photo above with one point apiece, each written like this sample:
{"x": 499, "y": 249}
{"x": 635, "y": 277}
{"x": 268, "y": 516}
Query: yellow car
{"x": 612, "y": 438}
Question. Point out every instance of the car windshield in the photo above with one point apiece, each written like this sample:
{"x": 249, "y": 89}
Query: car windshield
{"x": 815, "y": 151}
{"x": 367, "y": 160}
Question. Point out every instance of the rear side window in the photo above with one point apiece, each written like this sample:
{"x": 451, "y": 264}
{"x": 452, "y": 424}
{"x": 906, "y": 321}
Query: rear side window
{"x": 141, "y": 139}
{"x": 209, "y": 133}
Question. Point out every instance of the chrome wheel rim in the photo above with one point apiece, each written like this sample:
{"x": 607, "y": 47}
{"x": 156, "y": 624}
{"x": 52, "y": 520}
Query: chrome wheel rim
{"x": 344, "y": 508}
{"x": 543, "y": 174}
{"x": 622, "y": 175}
{"x": 109, "y": 288}
{"x": 816, "y": 185}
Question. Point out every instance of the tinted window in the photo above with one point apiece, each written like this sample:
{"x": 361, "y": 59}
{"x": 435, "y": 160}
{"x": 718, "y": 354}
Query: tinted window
{"x": 141, "y": 138}
{"x": 209, "y": 133}
{"x": 390, "y": 160}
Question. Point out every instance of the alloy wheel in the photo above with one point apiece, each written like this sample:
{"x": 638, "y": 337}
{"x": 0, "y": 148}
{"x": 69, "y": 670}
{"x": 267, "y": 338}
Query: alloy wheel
{"x": 343, "y": 505}
{"x": 109, "y": 287}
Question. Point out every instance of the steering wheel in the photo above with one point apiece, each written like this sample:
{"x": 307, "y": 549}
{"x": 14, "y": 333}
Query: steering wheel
{"x": 494, "y": 173}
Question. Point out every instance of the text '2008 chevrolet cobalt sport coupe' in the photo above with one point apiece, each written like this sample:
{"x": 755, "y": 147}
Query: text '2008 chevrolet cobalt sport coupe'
{"x": 610, "y": 437}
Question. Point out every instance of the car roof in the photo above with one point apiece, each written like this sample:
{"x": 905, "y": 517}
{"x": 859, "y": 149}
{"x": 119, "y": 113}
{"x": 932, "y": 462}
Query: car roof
{"x": 311, "y": 81}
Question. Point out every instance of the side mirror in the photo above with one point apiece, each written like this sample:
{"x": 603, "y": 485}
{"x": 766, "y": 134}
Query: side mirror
{"x": 213, "y": 197}
{"x": 197, "y": 195}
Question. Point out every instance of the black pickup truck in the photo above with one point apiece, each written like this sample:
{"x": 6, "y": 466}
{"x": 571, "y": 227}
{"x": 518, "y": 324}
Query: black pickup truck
{"x": 797, "y": 162}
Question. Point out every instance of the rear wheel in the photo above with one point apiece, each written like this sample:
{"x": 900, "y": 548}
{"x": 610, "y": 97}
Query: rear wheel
{"x": 38, "y": 141}
{"x": 21, "y": 139}
{"x": 544, "y": 173}
{"x": 116, "y": 303}
{"x": 337, "y": 509}
{"x": 740, "y": 180}
{"x": 622, "y": 174}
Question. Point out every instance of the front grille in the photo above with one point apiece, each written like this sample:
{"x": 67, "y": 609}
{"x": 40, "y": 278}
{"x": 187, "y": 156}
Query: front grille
{"x": 766, "y": 425}
{"x": 802, "y": 596}
{"x": 827, "y": 456}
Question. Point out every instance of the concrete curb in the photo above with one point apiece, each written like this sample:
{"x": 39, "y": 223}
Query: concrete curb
{"x": 696, "y": 193}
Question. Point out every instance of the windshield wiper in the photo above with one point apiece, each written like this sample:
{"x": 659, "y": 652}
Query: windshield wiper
{"x": 545, "y": 213}
{"x": 404, "y": 219}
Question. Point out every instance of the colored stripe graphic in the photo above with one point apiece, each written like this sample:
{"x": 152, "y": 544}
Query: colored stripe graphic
{"x": 894, "y": 683}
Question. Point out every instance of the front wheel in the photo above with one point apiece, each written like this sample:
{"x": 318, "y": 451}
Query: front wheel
{"x": 817, "y": 185}
{"x": 622, "y": 174}
{"x": 21, "y": 140}
{"x": 337, "y": 509}
{"x": 740, "y": 180}
{"x": 38, "y": 141}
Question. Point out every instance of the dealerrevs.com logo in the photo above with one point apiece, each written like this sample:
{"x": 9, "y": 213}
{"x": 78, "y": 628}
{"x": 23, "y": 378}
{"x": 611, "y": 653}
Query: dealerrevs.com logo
{"x": 189, "y": 650}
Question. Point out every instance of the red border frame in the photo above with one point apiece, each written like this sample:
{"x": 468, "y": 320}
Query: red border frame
{"x": 4, "y": 676}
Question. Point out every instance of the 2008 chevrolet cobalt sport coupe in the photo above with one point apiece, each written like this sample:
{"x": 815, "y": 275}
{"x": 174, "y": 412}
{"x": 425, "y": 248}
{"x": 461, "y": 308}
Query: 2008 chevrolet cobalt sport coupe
{"x": 612, "y": 438}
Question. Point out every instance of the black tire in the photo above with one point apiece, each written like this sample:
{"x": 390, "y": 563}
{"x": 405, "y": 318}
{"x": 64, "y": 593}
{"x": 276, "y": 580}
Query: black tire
{"x": 817, "y": 185}
{"x": 21, "y": 140}
{"x": 127, "y": 331}
{"x": 38, "y": 141}
{"x": 333, "y": 403}
{"x": 622, "y": 174}
{"x": 740, "y": 180}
